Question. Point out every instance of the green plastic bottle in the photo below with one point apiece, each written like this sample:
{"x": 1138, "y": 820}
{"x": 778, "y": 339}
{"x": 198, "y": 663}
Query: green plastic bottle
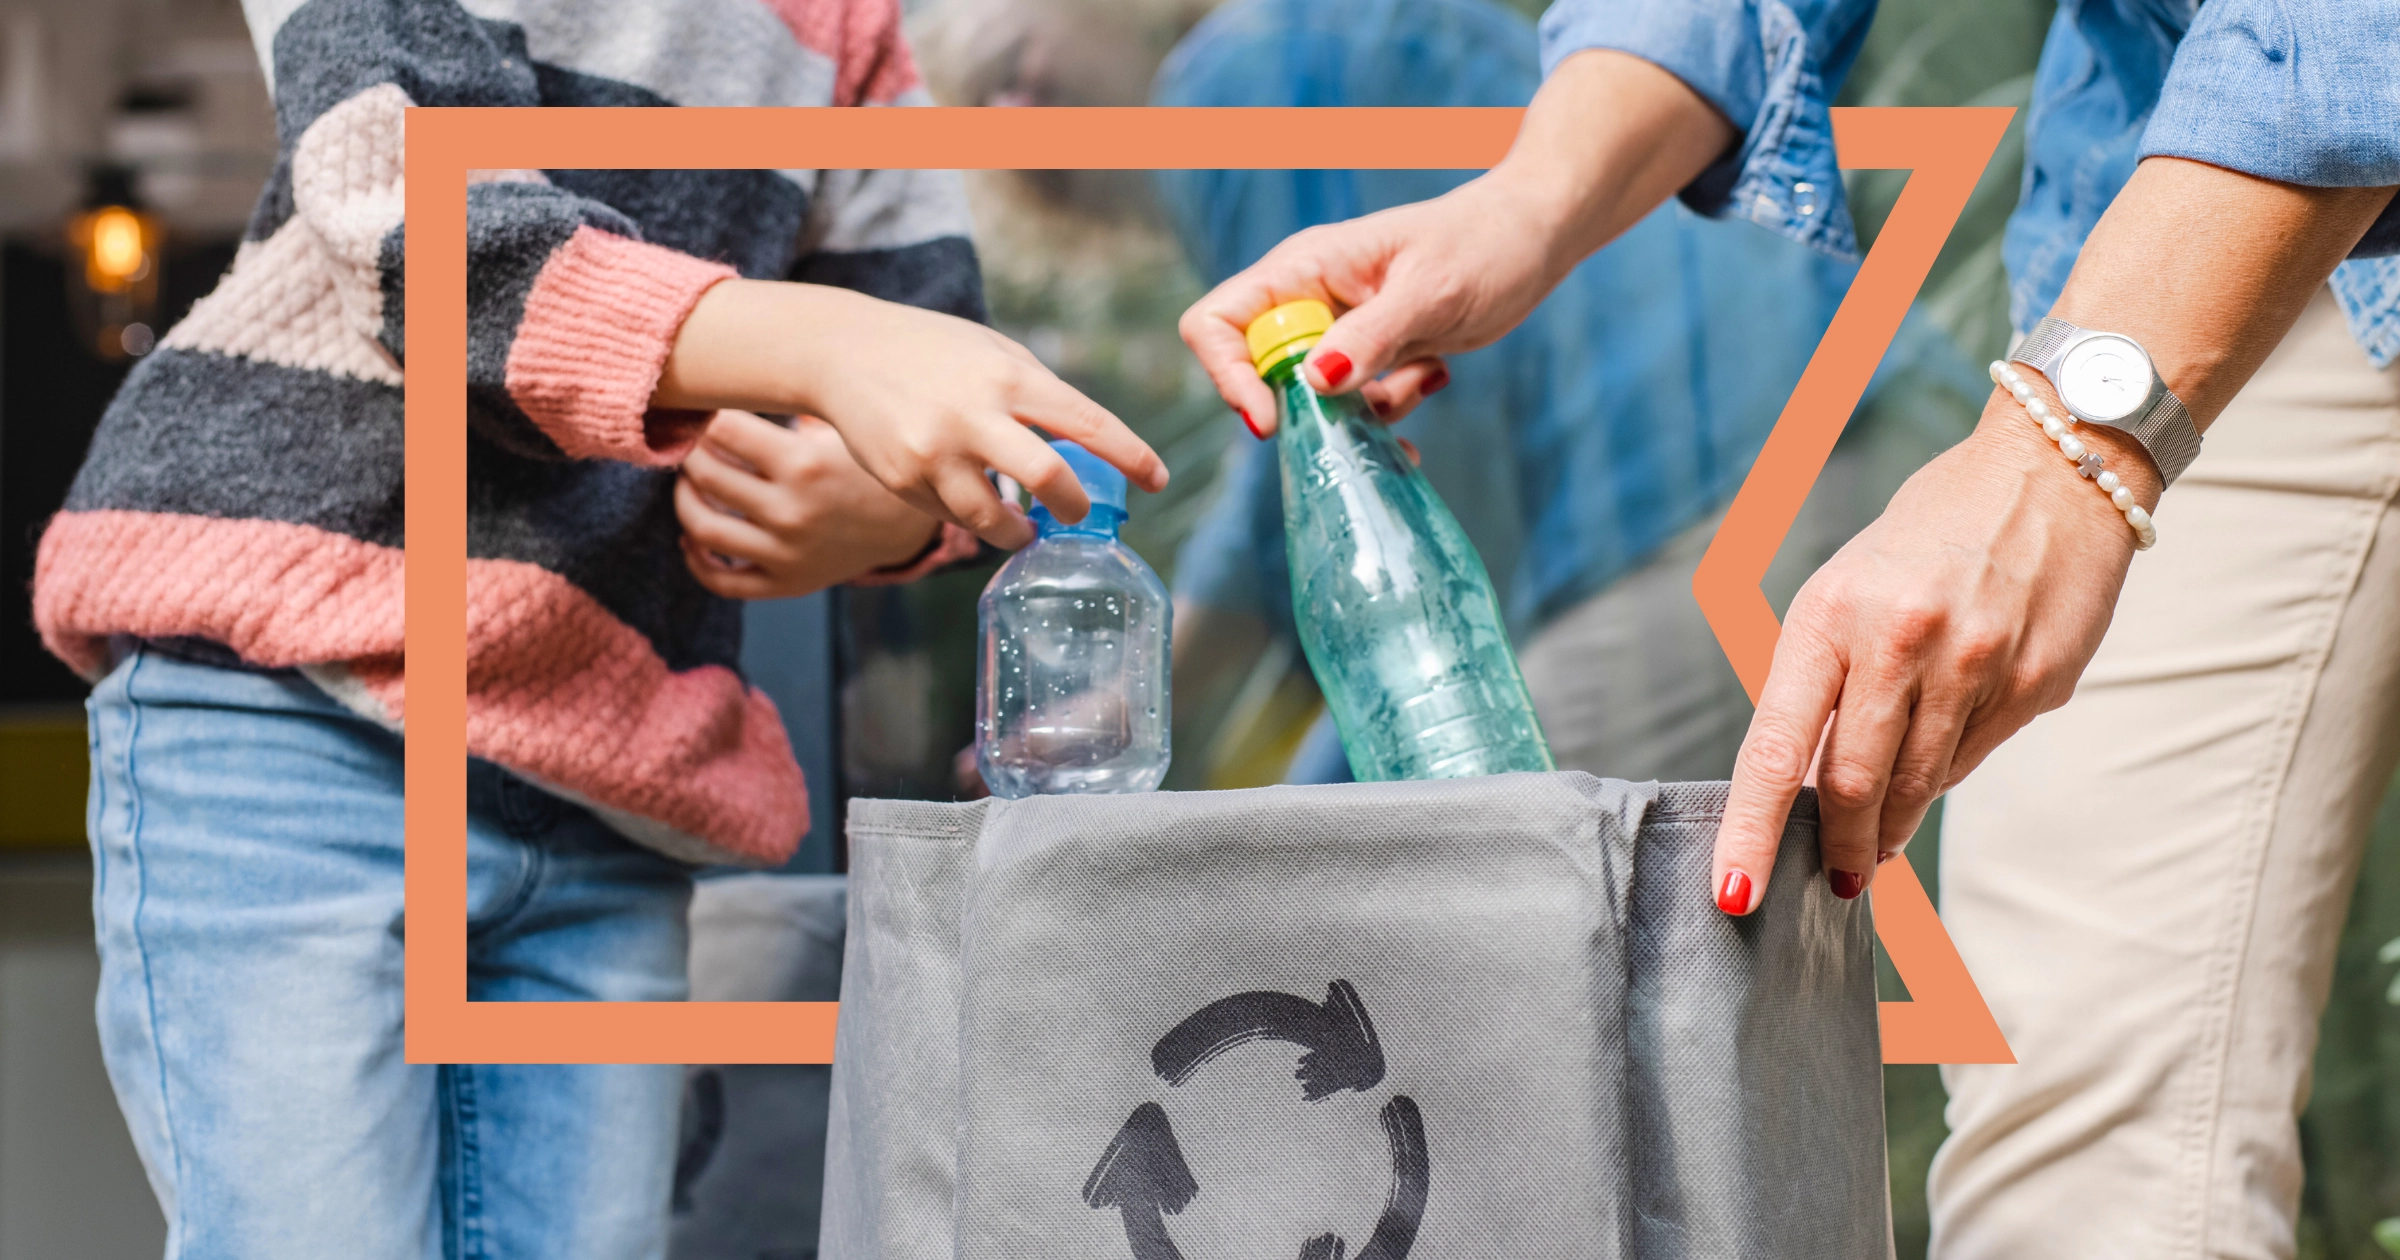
{"x": 1396, "y": 613}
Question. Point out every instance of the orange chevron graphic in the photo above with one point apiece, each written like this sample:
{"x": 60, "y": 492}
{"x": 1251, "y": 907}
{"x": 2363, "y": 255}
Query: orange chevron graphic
{"x": 1947, "y": 150}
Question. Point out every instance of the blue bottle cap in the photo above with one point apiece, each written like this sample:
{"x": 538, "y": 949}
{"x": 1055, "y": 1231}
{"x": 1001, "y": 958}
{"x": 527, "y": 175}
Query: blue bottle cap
{"x": 1101, "y": 481}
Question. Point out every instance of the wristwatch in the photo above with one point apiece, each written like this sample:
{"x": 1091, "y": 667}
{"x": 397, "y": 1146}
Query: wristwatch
{"x": 2107, "y": 379}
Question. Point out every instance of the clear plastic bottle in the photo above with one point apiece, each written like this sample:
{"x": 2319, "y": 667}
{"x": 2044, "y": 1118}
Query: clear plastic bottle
{"x": 1396, "y": 613}
{"x": 1071, "y": 689}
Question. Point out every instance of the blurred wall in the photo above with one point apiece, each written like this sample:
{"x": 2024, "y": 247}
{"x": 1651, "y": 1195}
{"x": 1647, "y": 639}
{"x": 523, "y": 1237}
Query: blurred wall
{"x": 168, "y": 93}
{"x": 70, "y": 1186}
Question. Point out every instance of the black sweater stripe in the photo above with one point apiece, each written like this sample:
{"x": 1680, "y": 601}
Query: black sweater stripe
{"x": 205, "y": 434}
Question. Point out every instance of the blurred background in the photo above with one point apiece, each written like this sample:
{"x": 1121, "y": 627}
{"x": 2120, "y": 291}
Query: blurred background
{"x": 134, "y": 134}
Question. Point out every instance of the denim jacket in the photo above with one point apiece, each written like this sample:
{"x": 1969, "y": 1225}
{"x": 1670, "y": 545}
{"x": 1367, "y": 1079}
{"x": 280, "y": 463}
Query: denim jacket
{"x": 2303, "y": 91}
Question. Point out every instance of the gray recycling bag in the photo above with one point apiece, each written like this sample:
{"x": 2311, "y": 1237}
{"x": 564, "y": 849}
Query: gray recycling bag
{"x": 1477, "y": 1018}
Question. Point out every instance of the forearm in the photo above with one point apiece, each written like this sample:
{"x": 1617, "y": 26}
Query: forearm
{"x": 2208, "y": 268}
{"x": 1609, "y": 137}
{"x": 750, "y": 345}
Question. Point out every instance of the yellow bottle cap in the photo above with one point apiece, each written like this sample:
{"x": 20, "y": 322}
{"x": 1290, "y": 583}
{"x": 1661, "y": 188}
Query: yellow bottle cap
{"x": 1287, "y": 330}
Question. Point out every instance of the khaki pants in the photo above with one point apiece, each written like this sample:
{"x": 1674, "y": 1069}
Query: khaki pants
{"x": 2148, "y": 884}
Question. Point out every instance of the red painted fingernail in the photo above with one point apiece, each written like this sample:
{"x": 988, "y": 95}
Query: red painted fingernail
{"x": 1381, "y": 408}
{"x": 1249, "y": 423}
{"x": 1334, "y": 366}
{"x": 1734, "y": 896}
{"x": 1846, "y": 884}
{"x": 1433, "y": 384}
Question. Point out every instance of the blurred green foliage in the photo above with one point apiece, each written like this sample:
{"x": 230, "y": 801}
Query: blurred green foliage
{"x": 2351, "y": 1129}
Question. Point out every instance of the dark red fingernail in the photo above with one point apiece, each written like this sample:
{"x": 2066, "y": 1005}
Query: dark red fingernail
{"x": 1734, "y": 896}
{"x": 1433, "y": 384}
{"x": 1846, "y": 884}
{"x": 1249, "y": 423}
{"x": 1334, "y": 366}
{"x": 1381, "y": 408}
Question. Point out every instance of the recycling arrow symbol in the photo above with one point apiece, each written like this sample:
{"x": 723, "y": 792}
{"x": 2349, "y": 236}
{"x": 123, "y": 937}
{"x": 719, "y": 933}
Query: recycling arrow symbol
{"x": 1342, "y": 1052}
{"x": 1143, "y": 1175}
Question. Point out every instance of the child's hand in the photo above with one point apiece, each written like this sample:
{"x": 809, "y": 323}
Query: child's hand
{"x": 789, "y": 509}
{"x": 924, "y": 401}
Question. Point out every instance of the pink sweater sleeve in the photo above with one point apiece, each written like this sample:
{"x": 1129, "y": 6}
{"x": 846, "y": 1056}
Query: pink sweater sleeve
{"x": 599, "y": 321}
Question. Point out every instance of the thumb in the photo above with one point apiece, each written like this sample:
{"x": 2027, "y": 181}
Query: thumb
{"x": 1366, "y": 341}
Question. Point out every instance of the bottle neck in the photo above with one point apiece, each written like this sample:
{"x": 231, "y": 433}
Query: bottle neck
{"x": 1102, "y": 521}
{"x": 1302, "y": 413}
{"x": 1286, "y": 367}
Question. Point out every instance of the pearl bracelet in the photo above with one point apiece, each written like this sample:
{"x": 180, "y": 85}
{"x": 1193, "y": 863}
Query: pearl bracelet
{"x": 2089, "y": 464}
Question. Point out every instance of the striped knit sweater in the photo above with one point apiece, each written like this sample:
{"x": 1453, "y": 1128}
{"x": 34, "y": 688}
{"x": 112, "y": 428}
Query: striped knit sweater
{"x": 244, "y": 487}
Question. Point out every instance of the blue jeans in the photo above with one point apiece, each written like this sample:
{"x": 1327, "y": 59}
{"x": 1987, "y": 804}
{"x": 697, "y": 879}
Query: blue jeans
{"x": 246, "y": 844}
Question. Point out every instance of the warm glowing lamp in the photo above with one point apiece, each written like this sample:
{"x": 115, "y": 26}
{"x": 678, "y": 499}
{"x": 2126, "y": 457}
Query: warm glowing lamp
{"x": 116, "y": 247}
{"x": 119, "y": 246}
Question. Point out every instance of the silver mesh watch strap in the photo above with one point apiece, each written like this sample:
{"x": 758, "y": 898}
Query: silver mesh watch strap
{"x": 2163, "y": 428}
{"x": 2040, "y": 348}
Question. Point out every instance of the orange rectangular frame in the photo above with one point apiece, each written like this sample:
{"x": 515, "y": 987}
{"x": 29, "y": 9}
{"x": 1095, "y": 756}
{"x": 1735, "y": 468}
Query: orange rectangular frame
{"x": 1946, "y": 1020}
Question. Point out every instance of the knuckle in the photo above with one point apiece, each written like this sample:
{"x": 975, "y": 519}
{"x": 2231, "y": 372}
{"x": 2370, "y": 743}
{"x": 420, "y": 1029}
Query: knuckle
{"x": 1013, "y": 382}
{"x": 2038, "y": 687}
{"x": 794, "y": 467}
{"x": 1980, "y": 644}
{"x": 1849, "y": 784}
{"x": 786, "y": 516}
{"x": 1776, "y": 753}
{"x": 1912, "y": 786}
{"x": 1305, "y": 239}
{"x": 983, "y": 517}
{"x": 1822, "y": 602}
{"x": 1913, "y": 622}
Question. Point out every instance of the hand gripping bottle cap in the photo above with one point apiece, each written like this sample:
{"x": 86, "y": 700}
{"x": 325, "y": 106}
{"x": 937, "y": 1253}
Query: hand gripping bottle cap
{"x": 1104, "y": 484}
{"x": 1287, "y": 330}
{"x": 1100, "y": 480}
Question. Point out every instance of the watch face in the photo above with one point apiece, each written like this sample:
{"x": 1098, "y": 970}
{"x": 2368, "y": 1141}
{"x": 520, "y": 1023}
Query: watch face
{"x": 2105, "y": 378}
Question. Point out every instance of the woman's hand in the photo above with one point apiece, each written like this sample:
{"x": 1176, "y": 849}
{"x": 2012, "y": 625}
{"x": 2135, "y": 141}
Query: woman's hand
{"x": 924, "y": 401}
{"x": 770, "y": 512}
{"x": 1606, "y": 140}
{"x": 1969, "y": 607}
{"x": 1414, "y": 282}
{"x": 1976, "y": 600}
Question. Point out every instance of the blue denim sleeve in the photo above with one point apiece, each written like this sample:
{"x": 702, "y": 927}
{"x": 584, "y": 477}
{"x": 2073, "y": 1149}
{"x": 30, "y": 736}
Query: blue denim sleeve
{"x": 2303, "y": 91}
{"x": 1773, "y": 67}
